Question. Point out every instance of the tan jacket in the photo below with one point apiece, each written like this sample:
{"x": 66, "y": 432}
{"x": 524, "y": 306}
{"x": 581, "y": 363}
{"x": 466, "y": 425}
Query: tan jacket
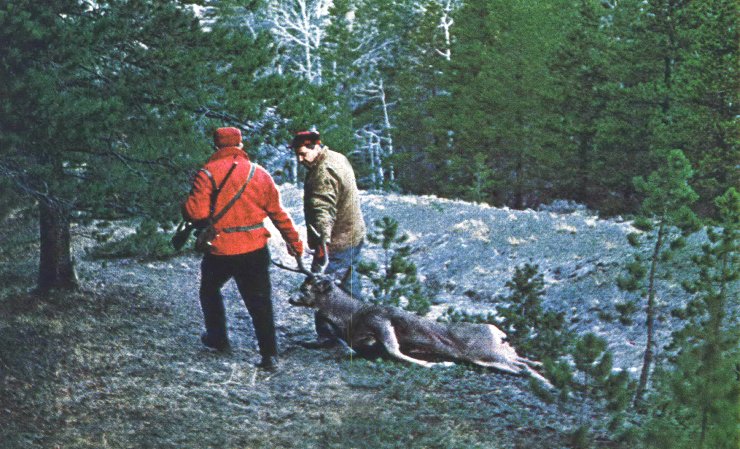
{"x": 331, "y": 202}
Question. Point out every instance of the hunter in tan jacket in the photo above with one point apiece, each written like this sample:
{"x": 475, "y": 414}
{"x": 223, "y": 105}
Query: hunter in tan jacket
{"x": 331, "y": 204}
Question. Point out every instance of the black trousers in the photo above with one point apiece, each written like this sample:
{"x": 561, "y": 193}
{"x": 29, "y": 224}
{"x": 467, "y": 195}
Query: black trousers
{"x": 252, "y": 276}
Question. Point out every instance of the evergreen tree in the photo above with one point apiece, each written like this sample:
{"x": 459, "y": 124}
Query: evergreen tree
{"x": 632, "y": 106}
{"x": 698, "y": 395}
{"x": 536, "y": 332}
{"x": 394, "y": 282}
{"x": 495, "y": 86}
{"x": 666, "y": 207}
{"x": 97, "y": 117}
{"x": 594, "y": 362}
{"x": 579, "y": 69}
{"x": 422, "y": 91}
{"x": 646, "y": 76}
{"x": 368, "y": 48}
{"x": 706, "y": 103}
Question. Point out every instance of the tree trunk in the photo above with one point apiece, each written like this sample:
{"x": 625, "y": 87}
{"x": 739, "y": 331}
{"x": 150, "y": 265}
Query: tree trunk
{"x": 388, "y": 133}
{"x": 56, "y": 266}
{"x": 583, "y": 171}
{"x": 648, "y": 357}
{"x": 518, "y": 185}
{"x": 293, "y": 164}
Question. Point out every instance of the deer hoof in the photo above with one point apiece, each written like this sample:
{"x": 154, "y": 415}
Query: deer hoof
{"x": 443, "y": 364}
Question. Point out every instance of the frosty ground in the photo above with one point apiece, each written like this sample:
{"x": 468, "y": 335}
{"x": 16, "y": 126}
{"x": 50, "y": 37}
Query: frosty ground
{"x": 121, "y": 365}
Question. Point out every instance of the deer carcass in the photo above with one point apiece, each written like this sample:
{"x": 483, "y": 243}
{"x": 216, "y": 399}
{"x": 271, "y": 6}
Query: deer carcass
{"x": 408, "y": 337}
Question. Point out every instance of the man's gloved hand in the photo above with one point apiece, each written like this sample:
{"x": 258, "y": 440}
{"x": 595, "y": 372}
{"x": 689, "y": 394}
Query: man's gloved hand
{"x": 295, "y": 249}
{"x": 321, "y": 250}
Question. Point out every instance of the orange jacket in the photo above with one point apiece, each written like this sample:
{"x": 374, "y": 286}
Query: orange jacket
{"x": 241, "y": 229}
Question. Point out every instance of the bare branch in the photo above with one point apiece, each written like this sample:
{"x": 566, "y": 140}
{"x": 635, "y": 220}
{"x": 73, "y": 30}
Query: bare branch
{"x": 300, "y": 25}
{"x": 25, "y": 184}
{"x": 246, "y": 126}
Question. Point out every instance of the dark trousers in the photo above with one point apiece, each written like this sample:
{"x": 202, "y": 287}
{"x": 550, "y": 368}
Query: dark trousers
{"x": 252, "y": 276}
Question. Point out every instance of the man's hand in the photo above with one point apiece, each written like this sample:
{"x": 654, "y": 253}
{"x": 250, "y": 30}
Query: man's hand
{"x": 295, "y": 249}
{"x": 320, "y": 251}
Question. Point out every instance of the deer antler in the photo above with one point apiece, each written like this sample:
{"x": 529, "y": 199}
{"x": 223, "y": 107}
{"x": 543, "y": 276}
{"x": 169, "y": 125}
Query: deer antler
{"x": 325, "y": 262}
{"x": 301, "y": 268}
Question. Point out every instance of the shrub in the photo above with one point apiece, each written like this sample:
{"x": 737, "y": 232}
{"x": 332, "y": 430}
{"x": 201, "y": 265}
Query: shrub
{"x": 147, "y": 243}
{"x": 395, "y": 281}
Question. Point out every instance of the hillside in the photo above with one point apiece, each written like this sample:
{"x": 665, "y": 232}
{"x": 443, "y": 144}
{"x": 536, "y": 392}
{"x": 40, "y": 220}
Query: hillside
{"x": 121, "y": 365}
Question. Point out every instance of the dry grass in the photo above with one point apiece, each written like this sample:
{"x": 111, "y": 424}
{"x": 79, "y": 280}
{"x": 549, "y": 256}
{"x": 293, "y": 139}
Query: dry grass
{"x": 118, "y": 369}
{"x": 119, "y": 365}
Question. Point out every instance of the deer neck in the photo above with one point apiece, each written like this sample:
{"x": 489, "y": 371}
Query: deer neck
{"x": 340, "y": 306}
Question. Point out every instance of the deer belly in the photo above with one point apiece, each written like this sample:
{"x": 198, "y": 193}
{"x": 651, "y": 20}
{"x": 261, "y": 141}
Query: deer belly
{"x": 430, "y": 343}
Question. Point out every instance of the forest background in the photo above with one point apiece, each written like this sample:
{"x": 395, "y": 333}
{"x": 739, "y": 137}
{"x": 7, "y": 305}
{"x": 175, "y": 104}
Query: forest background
{"x": 108, "y": 106}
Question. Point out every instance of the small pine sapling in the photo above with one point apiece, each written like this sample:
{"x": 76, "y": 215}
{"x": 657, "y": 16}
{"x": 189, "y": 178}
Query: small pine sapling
{"x": 698, "y": 394}
{"x": 395, "y": 282}
{"x": 594, "y": 377}
{"x": 665, "y": 219}
{"x": 536, "y": 332}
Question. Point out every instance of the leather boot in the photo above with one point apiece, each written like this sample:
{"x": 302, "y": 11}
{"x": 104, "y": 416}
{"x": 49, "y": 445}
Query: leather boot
{"x": 268, "y": 363}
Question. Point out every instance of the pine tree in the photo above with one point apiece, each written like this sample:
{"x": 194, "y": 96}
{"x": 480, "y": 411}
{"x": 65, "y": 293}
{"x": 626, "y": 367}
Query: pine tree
{"x": 422, "y": 91}
{"x": 665, "y": 209}
{"x": 706, "y": 99}
{"x": 98, "y": 103}
{"x": 579, "y": 69}
{"x": 594, "y": 362}
{"x": 369, "y": 46}
{"x": 698, "y": 394}
{"x": 394, "y": 281}
{"x": 536, "y": 332}
{"x": 495, "y": 87}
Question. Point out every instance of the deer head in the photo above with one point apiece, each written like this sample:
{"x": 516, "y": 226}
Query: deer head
{"x": 316, "y": 283}
{"x": 313, "y": 290}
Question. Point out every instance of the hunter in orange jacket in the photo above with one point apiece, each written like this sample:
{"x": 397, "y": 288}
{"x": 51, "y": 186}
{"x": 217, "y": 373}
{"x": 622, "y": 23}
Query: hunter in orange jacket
{"x": 239, "y": 250}
{"x": 241, "y": 229}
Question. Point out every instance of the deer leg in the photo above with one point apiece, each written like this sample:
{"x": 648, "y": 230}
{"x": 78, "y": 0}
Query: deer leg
{"x": 529, "y": 362}
{"x": 387, "y": 337}
{"x": 523, "y": 369}
{"x": 540, "y": 378}
{"x": 499, "y": 366}
{"x": 347, "y": 348}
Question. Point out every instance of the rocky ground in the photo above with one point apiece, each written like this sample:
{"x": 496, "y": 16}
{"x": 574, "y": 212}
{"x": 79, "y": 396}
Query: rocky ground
{"x": 122, "y": 366}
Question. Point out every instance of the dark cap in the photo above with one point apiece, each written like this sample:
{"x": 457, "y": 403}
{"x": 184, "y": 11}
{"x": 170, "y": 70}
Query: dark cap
{"x": 302, "y": 137}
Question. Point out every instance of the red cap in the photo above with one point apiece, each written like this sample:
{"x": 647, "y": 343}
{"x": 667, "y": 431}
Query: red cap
{"x": 227, "y": 137}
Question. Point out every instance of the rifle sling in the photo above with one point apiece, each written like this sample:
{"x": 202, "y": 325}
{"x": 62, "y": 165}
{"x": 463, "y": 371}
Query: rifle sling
{"x": 228, "y": 205}
{"x": 217, "y": 189}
